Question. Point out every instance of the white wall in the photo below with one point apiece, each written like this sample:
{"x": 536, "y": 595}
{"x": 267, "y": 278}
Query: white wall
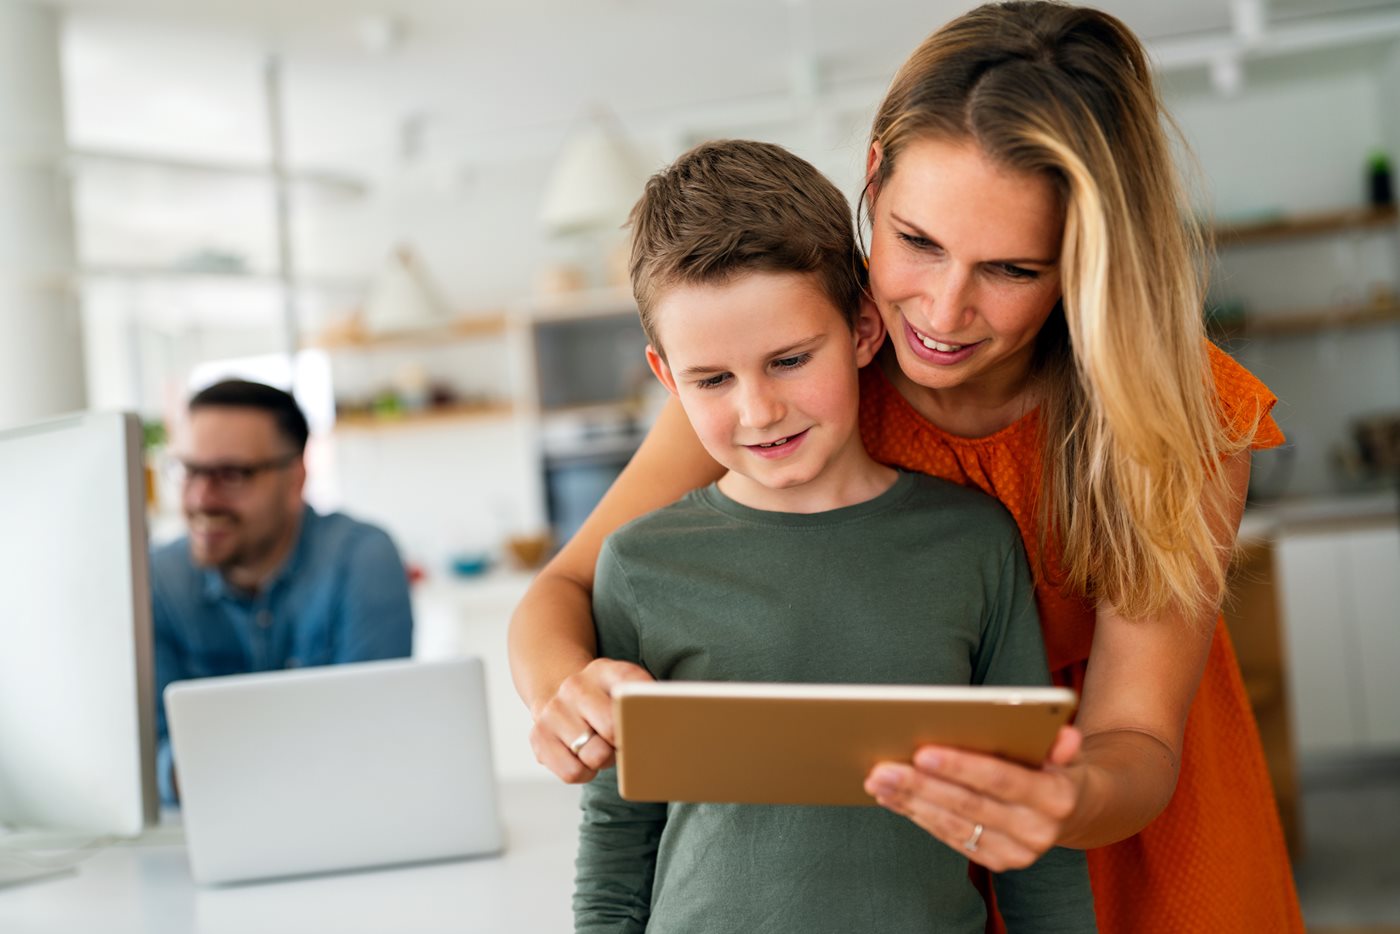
{"x": 1297, "y": 139}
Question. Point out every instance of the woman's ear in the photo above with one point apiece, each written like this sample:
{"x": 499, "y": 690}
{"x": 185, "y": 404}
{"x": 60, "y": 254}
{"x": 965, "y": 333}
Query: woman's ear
{"x": 869, "y": 331}
{"x": 661, "y": 369}
{"x": 873, "y": 159}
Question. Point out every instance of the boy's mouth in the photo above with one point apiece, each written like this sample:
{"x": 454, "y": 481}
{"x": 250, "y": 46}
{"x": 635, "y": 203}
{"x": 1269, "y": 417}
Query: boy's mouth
{"x": 778, "y": 446}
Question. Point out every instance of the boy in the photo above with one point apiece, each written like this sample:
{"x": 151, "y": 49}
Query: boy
{"x": 807, "y": 562}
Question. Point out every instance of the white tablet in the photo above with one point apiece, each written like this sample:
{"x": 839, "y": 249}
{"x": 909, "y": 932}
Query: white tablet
{"x": 729, "y": 742}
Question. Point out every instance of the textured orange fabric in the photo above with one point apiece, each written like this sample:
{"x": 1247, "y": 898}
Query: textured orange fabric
{"x": 1214, "y": 862}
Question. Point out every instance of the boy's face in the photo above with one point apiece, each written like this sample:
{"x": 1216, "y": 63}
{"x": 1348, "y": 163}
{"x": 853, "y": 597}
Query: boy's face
{"x": 765, "y": 368}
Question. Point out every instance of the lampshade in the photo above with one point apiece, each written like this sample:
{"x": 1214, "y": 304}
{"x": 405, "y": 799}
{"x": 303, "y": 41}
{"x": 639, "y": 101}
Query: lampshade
{"x": 403, "y": 296}
{"x": 595, "y": 182}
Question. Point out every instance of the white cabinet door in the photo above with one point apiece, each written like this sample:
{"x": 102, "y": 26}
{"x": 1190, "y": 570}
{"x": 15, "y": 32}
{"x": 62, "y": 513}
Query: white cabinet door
{"x": 1372, "y": 560}
{"x": 1322, "y": 669}
{"x": 1340, "y": 590}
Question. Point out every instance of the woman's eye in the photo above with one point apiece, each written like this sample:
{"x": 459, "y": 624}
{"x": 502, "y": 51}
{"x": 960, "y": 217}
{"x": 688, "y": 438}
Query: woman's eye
{"x": 711, "y": 382}
{"x": 1018, "y": 272}
{"x": 792, "y": 363}
{"x": 917, "y": 242}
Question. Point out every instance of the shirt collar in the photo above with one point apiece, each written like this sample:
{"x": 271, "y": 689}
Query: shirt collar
{"x": 216, "y": 588}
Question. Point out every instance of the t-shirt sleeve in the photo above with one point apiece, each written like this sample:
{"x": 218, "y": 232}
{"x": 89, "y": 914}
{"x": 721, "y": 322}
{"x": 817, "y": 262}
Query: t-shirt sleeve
{"x": 1051, "y": 896}
{"x": 618, "y": 839}
{"x": 1246, "y": 404}
{"x": 615, "y": 610}
{"x": 1012, "y": 649}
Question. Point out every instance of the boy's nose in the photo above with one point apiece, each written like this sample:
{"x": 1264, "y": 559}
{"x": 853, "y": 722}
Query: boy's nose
{"x": 759, "y": 408}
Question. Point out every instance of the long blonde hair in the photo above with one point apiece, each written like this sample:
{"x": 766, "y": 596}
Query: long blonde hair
{"x": 1133, "y": 433}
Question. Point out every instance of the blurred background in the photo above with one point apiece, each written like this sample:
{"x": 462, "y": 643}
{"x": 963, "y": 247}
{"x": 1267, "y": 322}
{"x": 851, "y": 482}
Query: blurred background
{"x": 408, "y": 212}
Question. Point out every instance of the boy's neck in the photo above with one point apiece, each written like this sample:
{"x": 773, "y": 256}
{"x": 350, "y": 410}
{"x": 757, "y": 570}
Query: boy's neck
{"x": 853, "y": 480}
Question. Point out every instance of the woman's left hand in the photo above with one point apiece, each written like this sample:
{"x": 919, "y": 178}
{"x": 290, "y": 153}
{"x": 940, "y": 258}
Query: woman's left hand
{"x": 998, "y": 813}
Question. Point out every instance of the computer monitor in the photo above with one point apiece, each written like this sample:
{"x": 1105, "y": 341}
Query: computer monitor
{"x": 77, "y": 686}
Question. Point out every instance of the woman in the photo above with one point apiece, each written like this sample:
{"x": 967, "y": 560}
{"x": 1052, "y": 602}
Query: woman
{"x": 1043, "y": 300}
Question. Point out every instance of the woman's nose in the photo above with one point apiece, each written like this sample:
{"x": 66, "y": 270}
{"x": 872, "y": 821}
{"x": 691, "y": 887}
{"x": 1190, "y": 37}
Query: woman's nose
{"x": 950, "y": 303}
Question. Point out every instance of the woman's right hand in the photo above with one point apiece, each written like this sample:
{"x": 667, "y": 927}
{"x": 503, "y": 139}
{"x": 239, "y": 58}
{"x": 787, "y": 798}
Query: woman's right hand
{"x": 573, "y": 732}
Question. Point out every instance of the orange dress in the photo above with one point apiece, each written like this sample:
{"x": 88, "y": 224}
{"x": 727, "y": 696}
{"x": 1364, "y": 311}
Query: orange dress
{"x": 1214, "y": 861}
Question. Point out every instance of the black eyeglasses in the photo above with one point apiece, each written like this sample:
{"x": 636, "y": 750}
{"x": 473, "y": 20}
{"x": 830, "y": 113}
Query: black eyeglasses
{"x": 228, "y": 477}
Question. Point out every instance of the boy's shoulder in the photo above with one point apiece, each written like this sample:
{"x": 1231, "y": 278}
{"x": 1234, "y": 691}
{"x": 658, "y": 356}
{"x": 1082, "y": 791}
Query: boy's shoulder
{"x": 937, "y": 493}
{"x": 687, "y": 515}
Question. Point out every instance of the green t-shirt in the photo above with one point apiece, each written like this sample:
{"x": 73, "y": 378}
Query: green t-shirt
{"x": 925, "y": 584}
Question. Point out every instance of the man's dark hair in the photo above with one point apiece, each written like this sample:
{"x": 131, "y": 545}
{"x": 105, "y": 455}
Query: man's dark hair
{"x": 242, "y": 394}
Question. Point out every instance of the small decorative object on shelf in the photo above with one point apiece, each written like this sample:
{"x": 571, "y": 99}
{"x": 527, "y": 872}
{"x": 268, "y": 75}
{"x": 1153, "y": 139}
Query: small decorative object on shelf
{"x": 1382, "y": 193}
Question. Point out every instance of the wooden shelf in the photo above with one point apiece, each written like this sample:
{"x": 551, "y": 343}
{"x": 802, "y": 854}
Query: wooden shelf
{"x": 1305, "y": 225}
{"x": 356, "y": 338}
{"x": 439, "y": 415}
{"x": 1310, "y": 321}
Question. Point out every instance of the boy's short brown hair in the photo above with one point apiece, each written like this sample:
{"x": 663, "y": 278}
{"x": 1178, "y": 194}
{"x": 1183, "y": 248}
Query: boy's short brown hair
{"x": 729, "y": 207}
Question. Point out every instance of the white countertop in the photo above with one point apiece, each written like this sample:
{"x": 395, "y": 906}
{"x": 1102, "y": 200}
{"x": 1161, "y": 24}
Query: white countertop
{"x": 1269, "y": 520}
{"x": 144, "y": 887}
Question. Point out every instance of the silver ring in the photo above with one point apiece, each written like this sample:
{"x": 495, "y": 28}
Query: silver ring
{"x": 580, "y": 742}
{"x": 971, "y": 844}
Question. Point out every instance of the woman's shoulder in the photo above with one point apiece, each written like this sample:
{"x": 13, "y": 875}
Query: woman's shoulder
{"x": 1246, "y": 404}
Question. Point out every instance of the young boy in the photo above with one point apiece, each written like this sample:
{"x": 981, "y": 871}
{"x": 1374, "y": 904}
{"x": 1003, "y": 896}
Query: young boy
{"x": 806, "y": 562}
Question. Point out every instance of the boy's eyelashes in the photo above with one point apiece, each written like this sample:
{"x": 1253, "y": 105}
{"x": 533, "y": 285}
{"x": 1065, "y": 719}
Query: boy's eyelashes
{"x": 796, "y": 361}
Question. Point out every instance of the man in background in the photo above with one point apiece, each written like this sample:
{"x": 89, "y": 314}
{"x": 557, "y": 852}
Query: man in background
{"x": 262, "y": 581}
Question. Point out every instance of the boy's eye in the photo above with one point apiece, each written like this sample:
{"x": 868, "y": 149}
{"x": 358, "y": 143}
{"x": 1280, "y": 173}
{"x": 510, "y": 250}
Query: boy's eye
{"x": 710, "y": 382}
{"x": 792, "y": 363}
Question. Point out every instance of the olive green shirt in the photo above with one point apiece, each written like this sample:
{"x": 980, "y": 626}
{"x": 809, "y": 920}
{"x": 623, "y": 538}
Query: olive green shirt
{"x": 925, "y": 584}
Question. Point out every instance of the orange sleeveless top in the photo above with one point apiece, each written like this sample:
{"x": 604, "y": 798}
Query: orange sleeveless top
{"x": 1214, "y": 861}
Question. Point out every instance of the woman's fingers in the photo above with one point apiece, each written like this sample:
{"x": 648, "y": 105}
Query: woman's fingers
{"x": 554, "y": 755}
{"x": 1043, "y": 791}
{"x": 573, "y": 732}
{"x": 925, "y": 801}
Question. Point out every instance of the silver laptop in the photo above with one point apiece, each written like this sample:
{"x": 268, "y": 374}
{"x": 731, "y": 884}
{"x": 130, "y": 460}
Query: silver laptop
{"x": 345, "y": 767}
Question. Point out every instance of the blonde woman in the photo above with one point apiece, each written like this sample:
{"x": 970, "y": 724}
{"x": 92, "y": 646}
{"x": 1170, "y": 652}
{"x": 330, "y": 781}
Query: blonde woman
{"x": 1043, "y": 302}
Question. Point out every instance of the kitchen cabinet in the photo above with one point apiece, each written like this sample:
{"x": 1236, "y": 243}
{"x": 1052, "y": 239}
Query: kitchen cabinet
{"x": 1252, "y": 618}
{"x": 1340, "y": 590}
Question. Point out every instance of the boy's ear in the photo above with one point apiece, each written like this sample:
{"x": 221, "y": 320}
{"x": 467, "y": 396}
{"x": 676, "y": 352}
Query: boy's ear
{"x": 662, "y": 371}
{"x": 869, "y": 331}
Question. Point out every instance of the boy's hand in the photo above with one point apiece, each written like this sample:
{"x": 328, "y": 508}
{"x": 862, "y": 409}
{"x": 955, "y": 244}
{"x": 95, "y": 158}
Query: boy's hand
{"x": 573, "y": 731}
{"x": 997, "y": 813}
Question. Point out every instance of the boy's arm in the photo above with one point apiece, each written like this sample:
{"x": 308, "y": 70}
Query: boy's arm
{"x": 617, "y": 844}
{"x": 1051, "y": 896}
{"x": 1012, "y": 649}
{"x": 618, "y": 839}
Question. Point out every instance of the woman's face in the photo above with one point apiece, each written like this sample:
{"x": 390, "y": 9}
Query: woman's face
{"x": 964, "y": 265}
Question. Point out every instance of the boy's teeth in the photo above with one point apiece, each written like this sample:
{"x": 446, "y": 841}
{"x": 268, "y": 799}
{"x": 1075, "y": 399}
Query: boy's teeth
{"x": 773, "y": 444}
{"x": 932, "y": 344}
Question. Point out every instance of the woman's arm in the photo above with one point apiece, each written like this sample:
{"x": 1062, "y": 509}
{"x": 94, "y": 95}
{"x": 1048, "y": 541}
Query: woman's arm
{"x": 1142, "y": 676}
{"x": 551, "y": 633}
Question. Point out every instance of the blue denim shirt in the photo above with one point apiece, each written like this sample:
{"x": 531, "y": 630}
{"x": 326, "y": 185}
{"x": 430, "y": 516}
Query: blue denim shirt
{"x": 342, "y": 596}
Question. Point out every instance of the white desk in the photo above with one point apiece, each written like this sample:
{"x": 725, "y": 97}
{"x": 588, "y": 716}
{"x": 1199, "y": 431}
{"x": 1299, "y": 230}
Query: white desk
{"x": 145, "y": 888}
